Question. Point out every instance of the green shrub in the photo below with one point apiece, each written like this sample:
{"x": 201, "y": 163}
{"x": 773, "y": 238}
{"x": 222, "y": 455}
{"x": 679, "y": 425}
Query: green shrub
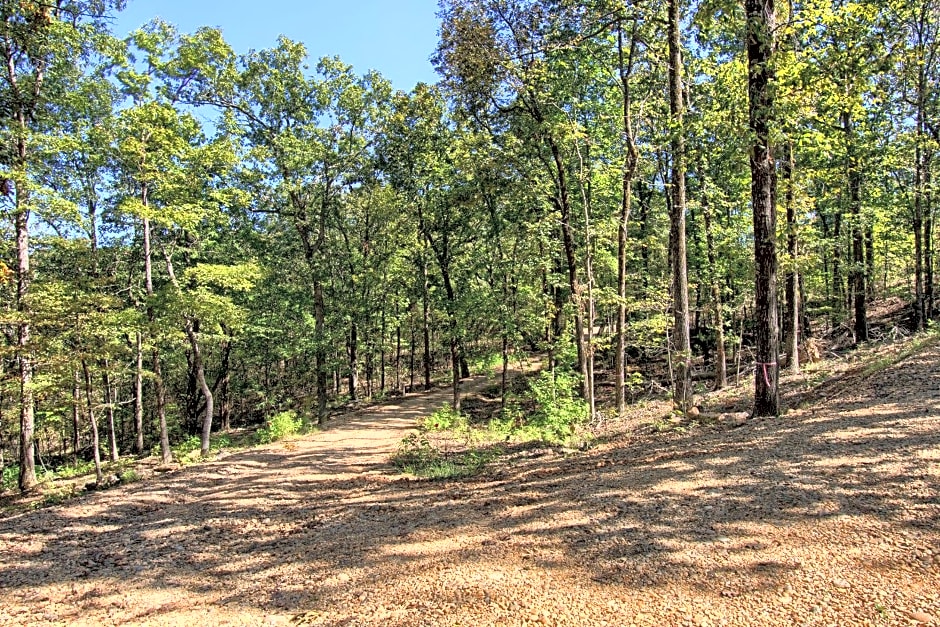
{"x": 129, "y": 476}
{"x": 485, "y": 364}
{"x": 74, "y": 470}
{"x": 444, "y": 419}
{"x": 558, "y": 408}
{"x": 279, "y": 426}
{"x": 415, "y": 451}
{"x": 9, "y": 478}
{"x": 417, "y": 456}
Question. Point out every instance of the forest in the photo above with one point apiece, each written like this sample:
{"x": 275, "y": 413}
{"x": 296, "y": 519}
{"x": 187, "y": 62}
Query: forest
{"x": 195, "y": 240}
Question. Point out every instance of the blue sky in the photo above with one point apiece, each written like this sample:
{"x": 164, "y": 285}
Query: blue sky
{"x": 395, "y": 37}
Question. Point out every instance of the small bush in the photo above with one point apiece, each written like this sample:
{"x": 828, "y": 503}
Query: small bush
{"x": 444, "y": 419}
{"x": 74, "y": 470}
{"x": 559, "y": 410}
{"x": 415, "y": 451}
{"x": 485, "y": 364}
{"x": 279, "y": 426}
{"x": 129, "y": 476}
{"x": 417, "y": 456}
{"x": 10, "y": 478}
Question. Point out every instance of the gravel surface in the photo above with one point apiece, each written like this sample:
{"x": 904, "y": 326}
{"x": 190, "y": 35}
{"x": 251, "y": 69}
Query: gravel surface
{"x": 829, "y": 515}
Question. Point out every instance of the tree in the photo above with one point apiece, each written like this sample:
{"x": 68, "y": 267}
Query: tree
{"x": 760, "y": 46}
{"x": 682, "y": 395}
{"x": 39, "y": 46}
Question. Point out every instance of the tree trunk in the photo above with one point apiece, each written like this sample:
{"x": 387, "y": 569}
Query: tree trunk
{"x": 792, "y": 323}
{"x": 760, "y": 28}
{"x": 562, "y": 203}
{"x": 109, "y": 409}
{"x": 858, "y": 273}
{"x": 352, "y": 351}
{"x": 411, "y": 357}
{"x": 625, "y": 67}
{"x": 190, "y": 327}
{"x": 27, "y": 475}
{"x": 319, "y": 315}
{"x": 426, "y": 323}
{"x": 928, "y": 242}
{"x": 166, "y": 455}
{"x": 721, "y": 360}
{"x": 920, "y": 317}
{"x": 398, "y": 373}
{"x": 382, "y": 354}
{"x": 225, "y": 401}
{"x": 682, "y": 396}
{"x": 95, "y": 443}
{"x": 76, "y": 417}
{"x": 138, "y": 394}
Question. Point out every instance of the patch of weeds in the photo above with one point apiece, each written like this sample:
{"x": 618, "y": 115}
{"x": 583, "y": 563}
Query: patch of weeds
{"x": 558, "y": 409}
{"x": 917, "y": 344}
{"x": 58, "y": 496}
{"x": 548, "y": 411}
{"x": 71, "y": 471}
{"x": 188, "y": 451}
{"x": 444, "y": 419}
{"x": 9, "y": 478}
{"x": 417, "y": 456}
{"x": 279, "y": 426}
{"x": 129, "y": 476}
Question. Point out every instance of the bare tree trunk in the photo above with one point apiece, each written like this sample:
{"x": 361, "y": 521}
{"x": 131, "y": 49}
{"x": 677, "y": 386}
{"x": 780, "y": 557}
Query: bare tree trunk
{"x": 858, "y": 272}
{"x": 95, "y": 443}
{"x": 760, "y": 27}
{"x": 352, "y": 350}
{"x": 138, "y": 394}
{"x": 625, "y": 67}
{"x": 411, "y": 357}
{"x": 382, "y": 355}
{"x": 793, "y": 278}
{"x": 928, "y": 242}
{"x": 426, "y": 311}
{"x": 166, "y": 455}
{"x": 398, "y": 373}
{"x": 721, "y": 359}
{"x": 682, "y": 397}
{"x": 76, "y": 417}
{"x": 190, "y": 327}
{"x": 27, "y": 476}
{"x": 319, "y": 316}
{"x": 109, "y": 409}
{"x": 225, "y": 401}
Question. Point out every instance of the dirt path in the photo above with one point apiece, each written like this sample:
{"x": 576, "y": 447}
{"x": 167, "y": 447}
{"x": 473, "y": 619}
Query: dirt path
{"x": 828, "y": 516}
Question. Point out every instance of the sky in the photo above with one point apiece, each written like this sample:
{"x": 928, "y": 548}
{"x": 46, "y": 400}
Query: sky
{"x": 395, "y": 37}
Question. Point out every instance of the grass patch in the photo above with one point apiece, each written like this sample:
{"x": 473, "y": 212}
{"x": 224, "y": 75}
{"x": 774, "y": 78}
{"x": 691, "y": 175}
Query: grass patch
{"x": 188, "y": 451}
{"x": 918, "y": 343}
{"x": 419, "y": 457}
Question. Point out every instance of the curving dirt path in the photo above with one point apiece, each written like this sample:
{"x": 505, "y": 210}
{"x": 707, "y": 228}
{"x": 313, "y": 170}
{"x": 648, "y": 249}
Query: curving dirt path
{"x": 828, "y": 516}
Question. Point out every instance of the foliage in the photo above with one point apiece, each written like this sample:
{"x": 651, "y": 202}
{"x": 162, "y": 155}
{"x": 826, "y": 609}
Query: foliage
{"x": 444, "y": 419}
{"x": 129, "y": 476}
{"x": 279, "y": 426}
{"x": 417, "y": 456}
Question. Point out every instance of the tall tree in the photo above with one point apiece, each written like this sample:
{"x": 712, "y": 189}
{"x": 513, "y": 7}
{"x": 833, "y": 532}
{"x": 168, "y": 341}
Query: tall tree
{"x": 681, "y": 340}
{"x": 760, "y": 47}
{"x": 40, "y": 44}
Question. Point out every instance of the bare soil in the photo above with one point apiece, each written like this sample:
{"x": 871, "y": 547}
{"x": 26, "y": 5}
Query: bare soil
{"x": 829, "y": 515}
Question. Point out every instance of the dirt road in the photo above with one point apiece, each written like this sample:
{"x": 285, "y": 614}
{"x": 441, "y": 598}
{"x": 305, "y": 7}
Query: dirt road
{"x": 827, "y": 516}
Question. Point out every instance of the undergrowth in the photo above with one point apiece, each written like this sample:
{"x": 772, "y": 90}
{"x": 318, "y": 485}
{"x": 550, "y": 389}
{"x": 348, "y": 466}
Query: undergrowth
{"x": 279, "y": 426}
{"x": 919, "y": 342}
{"x": 548, "y": 411}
